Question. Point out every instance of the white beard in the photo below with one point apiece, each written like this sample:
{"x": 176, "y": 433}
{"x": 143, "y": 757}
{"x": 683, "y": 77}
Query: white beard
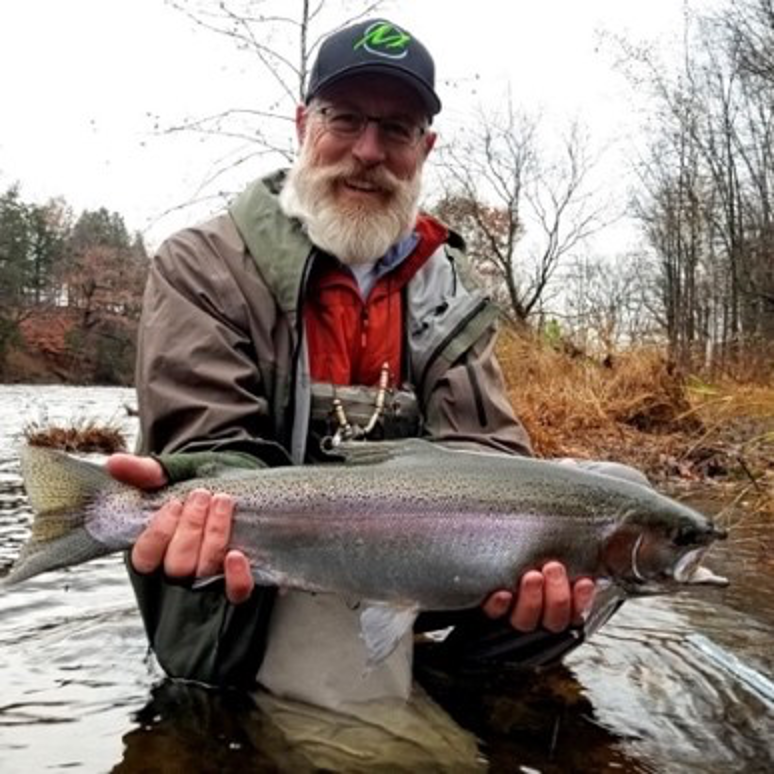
{"x": 356, "y": 234}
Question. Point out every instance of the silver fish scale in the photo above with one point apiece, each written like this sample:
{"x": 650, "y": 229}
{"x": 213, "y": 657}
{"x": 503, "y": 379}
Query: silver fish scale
{"x": 121, "y": 515}
{"x": 409, "y": 533}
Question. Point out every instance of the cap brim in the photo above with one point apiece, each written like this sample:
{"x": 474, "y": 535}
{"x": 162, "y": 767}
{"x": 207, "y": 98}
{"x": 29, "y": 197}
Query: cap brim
{"x": 426, "y": 94}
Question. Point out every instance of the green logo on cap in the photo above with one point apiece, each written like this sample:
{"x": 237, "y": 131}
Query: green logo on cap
{"x": 384, "y": 39}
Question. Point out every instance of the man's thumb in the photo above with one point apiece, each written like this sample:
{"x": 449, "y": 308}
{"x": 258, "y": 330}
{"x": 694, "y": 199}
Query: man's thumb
{"x": 142, "y": 472}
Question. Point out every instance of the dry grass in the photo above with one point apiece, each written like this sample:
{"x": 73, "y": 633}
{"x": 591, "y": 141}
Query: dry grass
{"x": 85, "y": 437}
{"x": 641, "y": 410}
{"x": 570, "y": 404}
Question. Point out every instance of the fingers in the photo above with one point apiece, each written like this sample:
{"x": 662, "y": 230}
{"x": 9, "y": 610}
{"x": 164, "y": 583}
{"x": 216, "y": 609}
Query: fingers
{"x": 239, "y": 578}
{"x": 142, "y": 472}
{"x": 544, "y": 598}
{"x": 557, "y": 605}
{"x": 182, "y": 555}
{"x": 583, "y": 592}
{"x": 216, "y": 536}
{"x": 528, "y": 610}
{"x": 149, "y": 549}
{"x": 498, "y": 604}
{"x": 190, "y": 539}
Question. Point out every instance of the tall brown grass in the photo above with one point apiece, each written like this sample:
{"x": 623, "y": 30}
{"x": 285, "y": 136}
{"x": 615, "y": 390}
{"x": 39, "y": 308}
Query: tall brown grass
{"x": 570, "y": 403}
{"x": 641, "y": 409}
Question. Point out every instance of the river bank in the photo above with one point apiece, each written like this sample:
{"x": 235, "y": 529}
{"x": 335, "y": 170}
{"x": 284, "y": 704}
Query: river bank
{"x": 640, "y": 409}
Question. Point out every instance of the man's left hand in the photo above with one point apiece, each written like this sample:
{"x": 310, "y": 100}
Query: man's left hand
{"x": 186, "y": 538}
{"x": 544, "y": 598}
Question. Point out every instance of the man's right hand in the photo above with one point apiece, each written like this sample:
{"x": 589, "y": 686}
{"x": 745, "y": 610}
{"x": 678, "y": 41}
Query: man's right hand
{"x": 187, "y": 538}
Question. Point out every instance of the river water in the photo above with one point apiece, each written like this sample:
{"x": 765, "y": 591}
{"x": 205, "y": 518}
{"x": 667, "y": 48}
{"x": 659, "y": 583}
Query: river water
{"x": 673, "y": 684}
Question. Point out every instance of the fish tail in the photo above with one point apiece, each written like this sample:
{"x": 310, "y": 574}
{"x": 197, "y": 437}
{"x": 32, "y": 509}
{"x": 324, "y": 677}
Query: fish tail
{"x": 62, "y": 492}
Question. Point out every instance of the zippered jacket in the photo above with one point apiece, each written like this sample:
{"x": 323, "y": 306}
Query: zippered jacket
{"x": 224, "y": 380}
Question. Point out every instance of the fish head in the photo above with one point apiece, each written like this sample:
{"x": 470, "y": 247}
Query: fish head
{"x": 661, "y": 550}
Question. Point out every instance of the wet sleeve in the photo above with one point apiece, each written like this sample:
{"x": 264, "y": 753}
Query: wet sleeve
{"x": 470, "y": 404}
{"x": 203, "y": 409}
{"x": 198, "y": 634}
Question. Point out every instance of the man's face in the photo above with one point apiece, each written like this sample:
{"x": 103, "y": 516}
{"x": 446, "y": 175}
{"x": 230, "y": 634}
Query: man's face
{"x": 374, "y": 96}
{"x": 357, "y": 186}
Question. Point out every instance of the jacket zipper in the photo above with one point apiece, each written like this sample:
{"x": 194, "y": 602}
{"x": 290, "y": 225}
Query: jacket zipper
{"x": 364, "y": 327}
{"x": 482, "y": 303}
{"x": 307, "y": 270}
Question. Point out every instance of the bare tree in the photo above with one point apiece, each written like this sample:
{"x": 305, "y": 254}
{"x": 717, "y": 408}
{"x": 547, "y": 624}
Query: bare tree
{"x": 279, "y": 41}
{"x": 708, "y": 181}
{"x": 606, "y": 303}
{"x": 749, "y": 26}
{"x": 521, "y": 207}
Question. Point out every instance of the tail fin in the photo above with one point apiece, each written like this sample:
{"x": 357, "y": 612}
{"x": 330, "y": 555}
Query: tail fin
{"x": 61, "y": 491}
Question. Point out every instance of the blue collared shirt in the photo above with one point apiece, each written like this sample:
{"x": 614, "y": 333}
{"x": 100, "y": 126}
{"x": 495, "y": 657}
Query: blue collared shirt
{"x": 368, "y": 274}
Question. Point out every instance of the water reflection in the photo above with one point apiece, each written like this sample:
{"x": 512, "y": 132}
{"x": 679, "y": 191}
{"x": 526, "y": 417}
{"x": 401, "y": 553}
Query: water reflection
{"x": 184, "y": 725}
{"x": 642, "y": 675}
{"x": 79, "y": 690}
{"x": 534, "y": 722}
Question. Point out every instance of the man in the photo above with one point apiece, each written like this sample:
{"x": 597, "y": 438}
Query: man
{"x": 267, "y": 329}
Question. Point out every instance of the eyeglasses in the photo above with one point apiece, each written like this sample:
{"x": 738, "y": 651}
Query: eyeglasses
{"x": 349, "y": 124}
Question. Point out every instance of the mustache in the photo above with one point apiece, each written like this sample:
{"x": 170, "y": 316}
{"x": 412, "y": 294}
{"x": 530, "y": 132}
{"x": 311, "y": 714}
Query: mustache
{"x": 349, "y": 171}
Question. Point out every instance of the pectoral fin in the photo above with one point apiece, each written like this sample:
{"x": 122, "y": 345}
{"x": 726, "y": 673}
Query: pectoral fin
{"x": 382, "y": 628}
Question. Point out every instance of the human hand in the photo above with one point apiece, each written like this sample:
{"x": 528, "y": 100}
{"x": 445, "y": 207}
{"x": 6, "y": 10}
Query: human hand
{"x": 544, "y": 597}
{"x": 187, "y": 538}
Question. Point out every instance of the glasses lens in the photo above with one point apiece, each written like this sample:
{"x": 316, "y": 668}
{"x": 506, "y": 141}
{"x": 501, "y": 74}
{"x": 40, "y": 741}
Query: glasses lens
{"x": 351, "y": 124}
{"x": 399, "y": 132}
{"x": 345, "y": 123}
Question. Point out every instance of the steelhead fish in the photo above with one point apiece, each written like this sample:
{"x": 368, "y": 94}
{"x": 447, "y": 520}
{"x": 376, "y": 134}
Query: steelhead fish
{"x": 402, "y": 526}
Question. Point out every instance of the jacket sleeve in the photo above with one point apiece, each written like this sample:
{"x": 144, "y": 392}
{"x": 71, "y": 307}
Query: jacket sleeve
{"x": 203, "y": 406}
{"x": 469, "y": 403}
{"x": 202, "y": 364}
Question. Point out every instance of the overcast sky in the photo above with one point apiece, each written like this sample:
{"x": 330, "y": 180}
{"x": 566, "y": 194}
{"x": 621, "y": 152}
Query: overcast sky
{"x": 82, "y": 80}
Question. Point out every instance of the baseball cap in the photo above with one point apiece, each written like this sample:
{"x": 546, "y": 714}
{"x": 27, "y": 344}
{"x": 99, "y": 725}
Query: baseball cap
{"x": 375, "y": 46}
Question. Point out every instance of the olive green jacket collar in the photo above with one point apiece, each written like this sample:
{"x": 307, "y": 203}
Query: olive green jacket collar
{"x": 278, "y": 244}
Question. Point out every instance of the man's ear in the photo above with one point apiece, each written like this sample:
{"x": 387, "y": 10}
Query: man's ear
{"x": 302, "y": 116}
{"x": 428, "y": 142}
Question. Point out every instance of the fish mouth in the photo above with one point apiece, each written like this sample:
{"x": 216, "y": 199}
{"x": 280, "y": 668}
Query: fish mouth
{"x": 689, "y": 571}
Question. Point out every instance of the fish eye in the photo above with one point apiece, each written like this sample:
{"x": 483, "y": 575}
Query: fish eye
{"x": 685, "y": 536}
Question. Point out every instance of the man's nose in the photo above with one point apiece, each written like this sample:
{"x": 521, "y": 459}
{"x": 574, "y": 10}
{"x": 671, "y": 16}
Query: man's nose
{"x": 369, "y": 148}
